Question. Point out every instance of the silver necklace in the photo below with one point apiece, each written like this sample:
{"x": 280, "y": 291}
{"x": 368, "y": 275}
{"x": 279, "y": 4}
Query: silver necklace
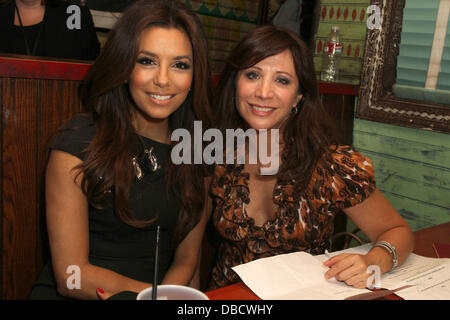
{"x": 153, "y": 161}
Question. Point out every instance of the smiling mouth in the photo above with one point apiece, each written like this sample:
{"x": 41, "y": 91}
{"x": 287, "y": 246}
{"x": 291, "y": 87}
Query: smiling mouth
{"x": 261, "y": 110}
{"x": 161, "y": 97}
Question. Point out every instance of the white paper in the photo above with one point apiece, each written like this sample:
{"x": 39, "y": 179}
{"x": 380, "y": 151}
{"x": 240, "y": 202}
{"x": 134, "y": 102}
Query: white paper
{"x": 292, "y": 276}
{"x": 411, "y": 268}
{"x": 300, "y": 276}
{"x": 433, "y": 284}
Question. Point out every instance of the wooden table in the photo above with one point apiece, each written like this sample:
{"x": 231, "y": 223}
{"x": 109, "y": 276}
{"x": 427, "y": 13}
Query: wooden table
{"x": 423, "y": 246}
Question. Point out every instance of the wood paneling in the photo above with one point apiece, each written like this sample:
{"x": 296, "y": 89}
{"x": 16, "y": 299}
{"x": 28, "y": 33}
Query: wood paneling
{"x": 18, "y": 185}
{"x": 412, "y": 169}
{"x": 32, "y": 109}
{"x": 341, "y": 109}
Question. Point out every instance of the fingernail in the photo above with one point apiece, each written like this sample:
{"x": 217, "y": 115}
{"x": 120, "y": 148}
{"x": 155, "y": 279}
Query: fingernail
{"x": 100, "y": 291}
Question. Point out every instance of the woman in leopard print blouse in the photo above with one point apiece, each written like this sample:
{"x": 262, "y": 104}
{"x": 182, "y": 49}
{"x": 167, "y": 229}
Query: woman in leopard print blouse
{"x": 269, "y": 83}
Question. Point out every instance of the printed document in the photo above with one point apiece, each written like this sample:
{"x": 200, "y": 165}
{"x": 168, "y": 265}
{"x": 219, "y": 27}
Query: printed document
{"x": 300, "y": 276}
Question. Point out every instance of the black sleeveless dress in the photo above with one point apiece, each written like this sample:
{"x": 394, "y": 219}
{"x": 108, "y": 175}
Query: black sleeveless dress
{"x": 115, "y": 245}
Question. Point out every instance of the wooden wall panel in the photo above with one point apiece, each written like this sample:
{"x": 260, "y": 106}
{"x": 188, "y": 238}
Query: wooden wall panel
{"x": 341, "y": 109}
{"x": 33, "y": 106}
{"x": 19, "y": 184}
{"x": 412, "y": 169}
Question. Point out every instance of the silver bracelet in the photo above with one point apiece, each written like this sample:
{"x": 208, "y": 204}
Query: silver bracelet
{"x": 391, "y": 249}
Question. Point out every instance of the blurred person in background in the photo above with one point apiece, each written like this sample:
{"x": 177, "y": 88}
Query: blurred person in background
{"x": 48, "y": 28}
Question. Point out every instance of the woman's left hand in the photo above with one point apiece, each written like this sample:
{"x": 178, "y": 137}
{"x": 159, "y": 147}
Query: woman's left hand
{"x": 349, "y": 268}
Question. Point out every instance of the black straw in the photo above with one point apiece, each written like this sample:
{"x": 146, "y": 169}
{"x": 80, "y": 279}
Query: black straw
{"x": 155, "y": 271}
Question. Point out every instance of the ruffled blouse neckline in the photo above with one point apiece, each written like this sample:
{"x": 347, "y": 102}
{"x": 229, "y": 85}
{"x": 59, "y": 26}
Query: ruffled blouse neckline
{"x": 239, "y": 190}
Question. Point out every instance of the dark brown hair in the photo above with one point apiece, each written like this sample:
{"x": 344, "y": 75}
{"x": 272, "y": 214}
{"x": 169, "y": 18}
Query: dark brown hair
{"x": 105, "y": 95}
{"x": 308, "y": 134}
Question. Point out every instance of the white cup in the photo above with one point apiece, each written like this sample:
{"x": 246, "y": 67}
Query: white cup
{"x": 172, "y": 292}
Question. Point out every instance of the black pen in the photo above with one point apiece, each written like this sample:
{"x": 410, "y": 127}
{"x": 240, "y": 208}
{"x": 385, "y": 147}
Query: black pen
{"x": 155, "y": 271}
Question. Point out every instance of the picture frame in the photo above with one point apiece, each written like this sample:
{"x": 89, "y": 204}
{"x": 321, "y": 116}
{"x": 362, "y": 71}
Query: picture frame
{"x": 376, "y": 101}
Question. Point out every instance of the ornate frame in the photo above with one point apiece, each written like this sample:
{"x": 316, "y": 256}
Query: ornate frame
{"x": 376, "y": 101}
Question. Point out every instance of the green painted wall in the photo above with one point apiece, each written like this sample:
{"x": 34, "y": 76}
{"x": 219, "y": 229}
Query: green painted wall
{"x": 412, "y": 169}
{"x": 351, "y": 17}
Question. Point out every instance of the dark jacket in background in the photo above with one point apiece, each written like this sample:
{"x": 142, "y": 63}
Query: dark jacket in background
{"x": 56, "y": 39}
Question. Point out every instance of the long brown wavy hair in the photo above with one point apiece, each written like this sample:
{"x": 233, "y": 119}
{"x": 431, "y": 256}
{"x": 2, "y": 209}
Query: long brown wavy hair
{"x": 105, "y": 95}
{"x": 309, "y": 133}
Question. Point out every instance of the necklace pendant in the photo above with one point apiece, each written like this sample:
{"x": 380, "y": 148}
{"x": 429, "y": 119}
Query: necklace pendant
{"x": 153, "y": 160}
{"x": 137, "y": 169}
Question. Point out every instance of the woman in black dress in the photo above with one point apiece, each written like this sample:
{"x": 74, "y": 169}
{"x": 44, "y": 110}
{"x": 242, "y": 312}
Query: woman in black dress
{"x": 109, "y": 179}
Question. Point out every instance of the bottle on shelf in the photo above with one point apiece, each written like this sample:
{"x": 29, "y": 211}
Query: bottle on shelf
{"x": 331, "y": 56}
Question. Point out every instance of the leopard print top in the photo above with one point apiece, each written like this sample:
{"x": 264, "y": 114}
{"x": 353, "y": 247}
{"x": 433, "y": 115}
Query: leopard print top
{"x": 300, "y": 224}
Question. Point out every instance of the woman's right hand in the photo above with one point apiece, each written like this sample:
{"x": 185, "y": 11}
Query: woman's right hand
{"x": 102, "y": 295}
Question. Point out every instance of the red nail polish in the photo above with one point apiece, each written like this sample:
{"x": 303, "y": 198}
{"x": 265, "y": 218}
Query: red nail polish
{"x": 100, "y": 291}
